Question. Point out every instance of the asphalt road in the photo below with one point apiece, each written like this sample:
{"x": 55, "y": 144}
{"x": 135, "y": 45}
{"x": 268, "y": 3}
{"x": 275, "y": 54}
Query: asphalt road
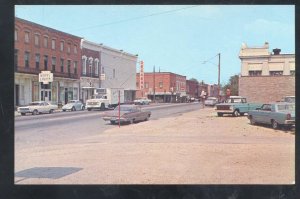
{"x": 65, "y": 127}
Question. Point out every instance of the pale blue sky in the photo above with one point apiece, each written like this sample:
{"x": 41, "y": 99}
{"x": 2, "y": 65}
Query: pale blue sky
{"x": 175, "y": 38}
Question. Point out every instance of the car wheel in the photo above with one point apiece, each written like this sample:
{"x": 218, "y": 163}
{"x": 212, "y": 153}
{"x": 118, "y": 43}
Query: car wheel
{"x": 89, "y": 109}
{"x": 242, "y": 114}
{"x": 131, "y": 121}
{"x": 236, "y": 113}
{"x": 102, "y": 107}
{"x": 220, "y": 114}
{"x": 82, "y": 108}
{"x": 23, "y": 114}
{"x": 275, "y": 124}
{"x": 63, "y": 110}
{"x": 147, "y": 118}
{"x": 73, "y": 108}
{"x": 35, "y": 112}
{"x": 51, "y": 111}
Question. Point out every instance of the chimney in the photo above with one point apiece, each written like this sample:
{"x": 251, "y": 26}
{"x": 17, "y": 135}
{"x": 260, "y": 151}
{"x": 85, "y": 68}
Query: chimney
{"x": 276, "y": 51}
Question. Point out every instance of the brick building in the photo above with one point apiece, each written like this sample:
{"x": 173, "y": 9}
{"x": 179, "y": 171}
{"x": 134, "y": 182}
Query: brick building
{"x": 169, "y": 87}
{"x": 192, "y": 89}
{"x": 266, "y": 76}
{"x": 39, "y": 48}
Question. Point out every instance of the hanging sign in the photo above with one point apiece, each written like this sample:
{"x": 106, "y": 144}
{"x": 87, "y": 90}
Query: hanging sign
{"x": 45, "y": 77}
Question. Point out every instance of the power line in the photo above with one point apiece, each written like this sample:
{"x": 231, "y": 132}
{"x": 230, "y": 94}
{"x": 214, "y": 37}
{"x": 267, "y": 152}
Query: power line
{"x": 140, "y": 17}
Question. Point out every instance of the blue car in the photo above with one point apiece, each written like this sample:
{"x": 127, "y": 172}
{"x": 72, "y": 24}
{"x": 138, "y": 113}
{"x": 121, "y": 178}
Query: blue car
{"x": 276, "y": 114}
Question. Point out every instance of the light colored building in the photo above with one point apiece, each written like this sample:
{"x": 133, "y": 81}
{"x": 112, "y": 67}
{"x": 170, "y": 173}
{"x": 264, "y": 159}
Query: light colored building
{"x": 266, "y": 76}
{"x": 119, "y": 69}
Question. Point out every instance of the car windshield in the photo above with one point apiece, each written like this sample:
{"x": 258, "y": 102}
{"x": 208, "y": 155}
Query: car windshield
{"x": 234, "y": 100}
{"x": 34, "y": 103}
{"x": 124, "y": 108}
{"x": 290, "y": 107}
{"x": 71, "y": 101}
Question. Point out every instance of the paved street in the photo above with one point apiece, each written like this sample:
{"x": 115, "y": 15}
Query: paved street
{"x": 181, "y": 148}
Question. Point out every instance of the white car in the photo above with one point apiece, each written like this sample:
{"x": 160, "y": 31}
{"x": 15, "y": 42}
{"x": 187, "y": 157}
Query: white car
{"x": 211, "y": 101}
{"x": 37, "y": 107}
{"x": 73, "y": 105}
{"x": 142, "y": 101}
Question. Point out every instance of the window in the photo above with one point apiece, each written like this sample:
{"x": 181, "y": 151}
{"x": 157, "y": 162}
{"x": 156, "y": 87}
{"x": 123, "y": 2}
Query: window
{"x": 276, "y": 73}
{"x": 16, "y": 35}
{"x": 46, "y": 62}
{"x": 36, "y": 39}
{"x": 27, "y": 55}
{"x": 53, "y": 63}
{"x": 114, "y": 73}
{"x": 75, "y": 49}
{"x": 62, "y": 65}
{"x": 53, "y": 44}
{"x": 255, "y": 73}
{"x": 96, "y": 67}
{"x": 45, "y": 42}
{"x": 61, "y": 46}
{"x": 160, "y": 84}
{"x": 102, "y": 70}
{"x": 16, "y": 58}
{"x": 91, "y": 66}
{"x": 146, "y": 85}
{"x": 69, "y": 66}
{"x": 75, "y": 67}
{"x": 37, "y": 61}
{"x": 27, "y": 37}
{"x": 83, "y": 66}
{"x": 69, "y": 48}
{"x": 292, "y": 72}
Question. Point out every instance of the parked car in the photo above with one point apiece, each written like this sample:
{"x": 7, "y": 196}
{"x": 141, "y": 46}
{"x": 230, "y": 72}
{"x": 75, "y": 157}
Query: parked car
{"x": 211, "y": 101}
{"x": 235, "y": 105}
{"x": 128, "y": 114}
{"x": 277, "y": 114}
{"x": 73, "y": 105}
{"x": 37, "y": 107}
{"x": 142, "y": 101}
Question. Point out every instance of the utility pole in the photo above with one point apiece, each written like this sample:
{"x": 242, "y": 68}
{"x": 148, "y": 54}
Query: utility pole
{"x": 219, "y": 76}
{"x": 154, "y": 84}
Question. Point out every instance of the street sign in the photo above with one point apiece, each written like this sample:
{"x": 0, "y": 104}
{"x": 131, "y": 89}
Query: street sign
{"x": 45, "y": 77}
{"x": 102, "y": 77}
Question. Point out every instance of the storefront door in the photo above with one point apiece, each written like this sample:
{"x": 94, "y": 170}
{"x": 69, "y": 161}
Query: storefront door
{"x": 46, "y": 95}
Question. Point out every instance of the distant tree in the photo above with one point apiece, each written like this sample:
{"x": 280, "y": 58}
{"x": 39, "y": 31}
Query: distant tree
{"x": 233, "y": 85}
{"x": 194, "y": 79}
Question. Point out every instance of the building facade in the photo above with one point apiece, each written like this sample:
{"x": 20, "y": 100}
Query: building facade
{"x": 39, "y": 48}
{"x": 266, "y": 76}
{"x": 119, "y": 70}
{"x": 192, "y": 89}
{"x": 162, "y": 87}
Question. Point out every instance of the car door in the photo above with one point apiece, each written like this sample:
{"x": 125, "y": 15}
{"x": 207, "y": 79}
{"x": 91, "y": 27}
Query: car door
{"x": 265, "y": 113}
{"x": 257, "y": 114}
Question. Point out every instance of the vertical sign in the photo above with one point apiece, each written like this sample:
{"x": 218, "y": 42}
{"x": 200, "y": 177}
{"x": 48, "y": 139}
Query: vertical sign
{"x": 142, "y": 76}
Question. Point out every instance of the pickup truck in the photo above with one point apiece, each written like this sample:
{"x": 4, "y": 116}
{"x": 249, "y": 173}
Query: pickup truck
{"x": 235, "y": 106}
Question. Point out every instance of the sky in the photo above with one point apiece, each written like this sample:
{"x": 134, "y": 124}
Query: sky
{"x": 183, "y": 39}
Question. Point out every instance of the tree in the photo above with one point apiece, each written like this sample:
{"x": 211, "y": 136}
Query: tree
{"x": 193, "y": 79}
{"x": 233, "y": 85}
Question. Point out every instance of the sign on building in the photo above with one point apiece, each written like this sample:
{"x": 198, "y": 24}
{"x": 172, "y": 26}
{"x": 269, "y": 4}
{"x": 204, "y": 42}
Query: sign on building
{"x": 45, "y": 77}
{"x": 142, "y": 76}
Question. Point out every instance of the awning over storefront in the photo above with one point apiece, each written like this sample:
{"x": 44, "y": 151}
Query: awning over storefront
{"x": 254, "y": 67}
{"x": 278, "y": 66}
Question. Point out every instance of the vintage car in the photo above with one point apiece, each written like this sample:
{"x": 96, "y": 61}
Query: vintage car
{"x": 128, "y": 114}
{"x": 277, "y": 114}
{"x": 37, "y": 107}
{"x": 142, "y": 101}
{"x": 211, "y": 101}
{"x": 235, "y": 106}
{"x": 73, "y": 105}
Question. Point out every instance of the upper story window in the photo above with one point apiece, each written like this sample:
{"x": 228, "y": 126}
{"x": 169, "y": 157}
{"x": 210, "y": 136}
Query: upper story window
{"x": 61, "y": 46}
{"x": 69, "y": 66}
{"x": 96, "y": 67}
{"x": 45, "y": 42}
{"x": 146, "y": 85}
{"x": 69, "y": 48}
{"x": 46, "y": 62}
{"x": 160, "y": 84}
{"x": 75, "y": 49}
{"x": 53, "y": 44}
{"x": 37, "y": 61}
{"x": 26, "y": 58}
{"x": 26, "y": 37}
{"x": 276, "y": 73}
{"x": 90, "y": 66}
{"x": 62, "y": 65}
{"x": 255, "y": 73}
{"x": 53, "y": 63}
{"x": 75, "y": 67}
{"x": 16, "y": 35}
{"x": 36, "y": 40}
{"x": 114, "y": 73}
{"x": 83, "y": 65}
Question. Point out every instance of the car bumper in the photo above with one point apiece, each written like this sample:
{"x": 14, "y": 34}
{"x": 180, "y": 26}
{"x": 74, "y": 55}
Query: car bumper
{"x": 289, "y": 122}
{"x": 115, "y": 119}
{"x": 225, "y": 111}
{"x": 93, "y": 106}
{"x": 24, "y": 111}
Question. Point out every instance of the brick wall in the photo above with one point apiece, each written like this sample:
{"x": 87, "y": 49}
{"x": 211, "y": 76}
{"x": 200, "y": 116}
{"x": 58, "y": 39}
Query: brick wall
{"x": 265, "y": 89}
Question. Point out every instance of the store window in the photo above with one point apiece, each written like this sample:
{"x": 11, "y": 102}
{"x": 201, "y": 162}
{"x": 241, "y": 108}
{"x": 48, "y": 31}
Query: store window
{"x": 75, "y": 93}
{"x": 35, "y": 91}
{"x": 255, "y": 73}
{"x": 276, "y": 73}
